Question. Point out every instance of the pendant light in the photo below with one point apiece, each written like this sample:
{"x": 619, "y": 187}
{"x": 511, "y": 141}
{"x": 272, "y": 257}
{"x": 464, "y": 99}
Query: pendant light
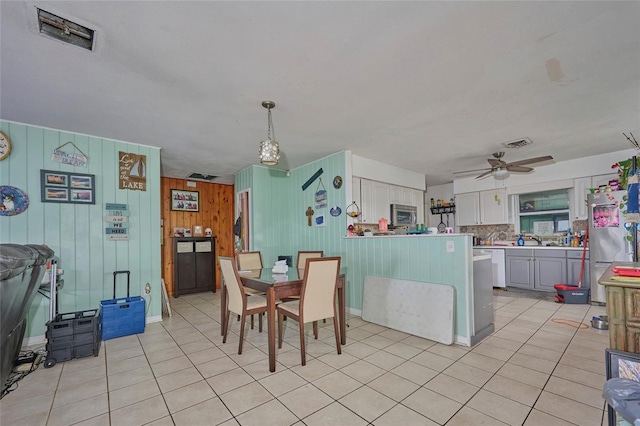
{"x": 269, "y": 152}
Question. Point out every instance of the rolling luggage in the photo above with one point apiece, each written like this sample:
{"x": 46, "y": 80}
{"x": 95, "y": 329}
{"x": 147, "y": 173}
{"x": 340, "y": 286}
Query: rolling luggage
{"x": 122, "y": 316}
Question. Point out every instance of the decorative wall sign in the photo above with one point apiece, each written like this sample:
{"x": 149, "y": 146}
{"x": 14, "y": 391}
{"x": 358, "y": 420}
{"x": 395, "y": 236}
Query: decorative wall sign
{"x": 13, "y": 201}
{"x": 335, "y": 211}
{"x": 117, "y": 219}
{"x": 64, "y": 187}
{"x": 320, "y": 220}
{"x": 337, "y": 182}
{"x": 60, "y": 156}
{"x": 132, "y": 173}
{"x": 315, "y": 176}
{"x": 321, "y": 196}
{"x": 186, "y": 201}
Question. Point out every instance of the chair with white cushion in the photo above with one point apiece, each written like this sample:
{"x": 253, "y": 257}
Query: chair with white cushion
{"x": 237, "y": 300}
{"x": 304, "y": 255}
{"x": 317, "y": 300}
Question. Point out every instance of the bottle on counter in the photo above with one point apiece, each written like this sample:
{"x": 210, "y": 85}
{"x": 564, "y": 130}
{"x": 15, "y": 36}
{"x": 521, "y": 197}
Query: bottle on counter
{"x": 433, "y": 202}
{"x": 520, "y": 240}
{"x": 576, "y": 241}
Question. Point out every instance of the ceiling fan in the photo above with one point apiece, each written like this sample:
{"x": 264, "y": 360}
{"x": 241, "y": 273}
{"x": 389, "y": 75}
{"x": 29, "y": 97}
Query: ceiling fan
{"x": 501, "y": 169}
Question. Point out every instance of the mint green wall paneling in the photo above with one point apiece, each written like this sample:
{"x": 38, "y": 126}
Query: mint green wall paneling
{"x": 109, "y": 186}
{"x": 150, "y": 252}
{"x": 76, "y": 232}
{"x": 18, "y": 177}
{"x": 95, "y": 263}
{"x": 121, "y": 248}
{"x": 35, "y": 212}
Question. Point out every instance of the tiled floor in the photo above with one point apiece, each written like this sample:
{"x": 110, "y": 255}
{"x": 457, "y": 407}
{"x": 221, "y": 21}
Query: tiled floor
{"x": 538, "y": 368}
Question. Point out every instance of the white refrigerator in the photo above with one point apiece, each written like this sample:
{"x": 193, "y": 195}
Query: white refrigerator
{"x": 608, "y": 240}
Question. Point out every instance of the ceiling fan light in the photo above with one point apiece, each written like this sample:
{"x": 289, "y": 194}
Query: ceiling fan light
{"x": 269, "y": 152}
{"x": 501, "y": 174}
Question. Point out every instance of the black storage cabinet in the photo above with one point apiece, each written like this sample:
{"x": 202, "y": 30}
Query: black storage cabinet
{"x": 194, "y": 265}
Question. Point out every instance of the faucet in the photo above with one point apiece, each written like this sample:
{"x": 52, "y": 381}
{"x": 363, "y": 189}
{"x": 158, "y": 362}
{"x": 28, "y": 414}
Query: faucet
{"x": 536, "y": 239}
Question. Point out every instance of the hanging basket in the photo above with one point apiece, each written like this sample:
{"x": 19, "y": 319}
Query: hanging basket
{"x": 353, "y": 210}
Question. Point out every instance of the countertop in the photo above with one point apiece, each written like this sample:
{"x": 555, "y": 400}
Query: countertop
{"x": 632, "y": 282}
{"x": 530, "y": 247}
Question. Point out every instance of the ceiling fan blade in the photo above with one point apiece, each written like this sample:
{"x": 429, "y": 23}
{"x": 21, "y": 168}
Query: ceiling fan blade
{"x": 485, "y": 174}
{"x": 531, "y": 161}
{"x": 496, "y": 163}
{"x": 518, "y": 169}
{"x": 470, "y": 171}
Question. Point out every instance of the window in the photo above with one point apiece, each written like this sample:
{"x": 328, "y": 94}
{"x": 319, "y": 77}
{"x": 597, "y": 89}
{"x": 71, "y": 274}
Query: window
{"x": 544, "y": 213}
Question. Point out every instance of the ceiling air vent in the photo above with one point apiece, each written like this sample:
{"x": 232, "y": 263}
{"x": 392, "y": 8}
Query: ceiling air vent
{"x": 200, "y": 176}
{"x": 518, "y": 143}
{"x": 62, "y": 29}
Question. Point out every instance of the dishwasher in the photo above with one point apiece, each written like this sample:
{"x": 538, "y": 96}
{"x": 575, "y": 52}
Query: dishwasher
{"x": 497, "y": 264}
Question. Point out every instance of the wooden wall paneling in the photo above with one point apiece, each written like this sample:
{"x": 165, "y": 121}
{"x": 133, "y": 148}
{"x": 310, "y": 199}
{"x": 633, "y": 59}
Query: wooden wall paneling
{"x": 216, "y": 212}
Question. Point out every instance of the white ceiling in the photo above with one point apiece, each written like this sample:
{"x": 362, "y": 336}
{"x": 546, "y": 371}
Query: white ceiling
{"x": 432, "y": 87}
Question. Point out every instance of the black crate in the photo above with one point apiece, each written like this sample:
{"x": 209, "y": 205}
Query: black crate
{"x": 74, "y": 335}
{"x": 74, "y": 323}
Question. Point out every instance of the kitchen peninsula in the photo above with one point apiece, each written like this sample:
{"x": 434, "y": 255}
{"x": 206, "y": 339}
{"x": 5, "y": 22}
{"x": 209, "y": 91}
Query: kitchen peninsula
{"x": 445, "y": 259}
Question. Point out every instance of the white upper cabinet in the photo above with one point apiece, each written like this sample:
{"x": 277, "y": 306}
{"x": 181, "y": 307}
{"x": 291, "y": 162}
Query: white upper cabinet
{"x": 468, "y": 209}
{"x": 375, "y": 199}
{"x": 494, "y": 207}
{"x": 482, "y": 208}
{"x": 581, "y": 188}
{"x": 598, "y": 180}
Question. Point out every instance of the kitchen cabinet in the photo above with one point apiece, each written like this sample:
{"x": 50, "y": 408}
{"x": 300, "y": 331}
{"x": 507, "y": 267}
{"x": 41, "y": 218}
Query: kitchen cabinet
{"x": 194, "y": 265}
{"x": 376, "y": 199}
{"x": 482, "y": 208}
{"x": 468, "y": 209}
{"x": 550, "y": 268}
{"x": 519, "y": 268}
{"x": 574, "y": 262}
{"x": 536, "y": 269}
{"x": 598, "y": 180}
{"x": 494, "y": 207}
{"x": 581, "y": 188}
{"x": 401, "y": 195}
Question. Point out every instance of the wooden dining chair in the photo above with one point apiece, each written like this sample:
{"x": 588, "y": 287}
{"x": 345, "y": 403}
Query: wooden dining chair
{"x": 304, "y": 255}
{"x": 249, "y": 260}
{"x": 237, "y": 300}
{"x": 317, "y": 300}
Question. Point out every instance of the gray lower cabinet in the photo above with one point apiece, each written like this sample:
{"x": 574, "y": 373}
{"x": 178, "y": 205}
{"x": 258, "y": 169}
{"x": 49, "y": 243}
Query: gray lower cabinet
{"x": 519, "y": 266}
{"x": 536, "y": 269}
{"x": 550, "y": 268}
{"x": 574, "y": 262}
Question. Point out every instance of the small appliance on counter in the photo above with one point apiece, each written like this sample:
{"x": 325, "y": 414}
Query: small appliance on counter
{"x": 401, "y": 230}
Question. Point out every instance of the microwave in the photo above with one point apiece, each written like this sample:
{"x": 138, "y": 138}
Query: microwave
{"x": 402, "y": 215}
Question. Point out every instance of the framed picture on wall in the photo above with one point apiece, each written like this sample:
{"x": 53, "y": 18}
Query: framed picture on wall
{"x": 186, "y": 201}
{"x": 621, "y": 364}
{"x": 66, "y": 187}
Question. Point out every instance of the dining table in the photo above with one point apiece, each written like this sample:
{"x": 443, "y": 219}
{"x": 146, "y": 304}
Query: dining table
{"x": 280, "y": 286}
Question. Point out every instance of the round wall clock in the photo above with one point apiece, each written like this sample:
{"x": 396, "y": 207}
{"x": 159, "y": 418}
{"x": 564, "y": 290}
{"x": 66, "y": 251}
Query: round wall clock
{"x": 337, "y": 182}
{"x": 5, "y": 146}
